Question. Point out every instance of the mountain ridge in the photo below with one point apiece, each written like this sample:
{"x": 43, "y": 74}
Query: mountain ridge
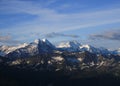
{"x": 44, "y": 46}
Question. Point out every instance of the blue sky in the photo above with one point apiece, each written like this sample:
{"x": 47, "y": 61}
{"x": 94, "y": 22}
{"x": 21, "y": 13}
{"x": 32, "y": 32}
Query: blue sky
{"x": 96, "y": 22}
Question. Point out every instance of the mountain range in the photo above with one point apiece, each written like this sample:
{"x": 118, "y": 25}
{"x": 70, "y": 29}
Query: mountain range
{"x": 67, "y": 56}
{"x": 71, "y": 60}
{"x": 44, "y": 46}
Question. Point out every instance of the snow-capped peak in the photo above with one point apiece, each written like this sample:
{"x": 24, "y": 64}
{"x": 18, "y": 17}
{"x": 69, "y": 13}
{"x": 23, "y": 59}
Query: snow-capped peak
{"x": 85, "y": 46}
{"x": 48, "y": 43}
{"x": 76, "y": 46}
{"x": 37, "y": 41}
{"x": 7, "y": 49}
{"x": 69, "y": 44}
{"x": 22, "y": 45}
{"x": 92, "y": 49}
{"x": 44, "y": 40}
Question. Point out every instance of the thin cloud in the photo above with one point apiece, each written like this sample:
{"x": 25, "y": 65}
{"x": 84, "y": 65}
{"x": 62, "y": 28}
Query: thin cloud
{"x": 53, "y": 35}
{"x": 49, "y": 20}
{"x": 4, "y": 38}
{"x": 8, "y": 40}
{"x": 109, "y": 35}
{"x": 50, "y": 2}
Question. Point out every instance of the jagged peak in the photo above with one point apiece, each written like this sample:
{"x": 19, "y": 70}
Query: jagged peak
{"x": 37, "y": 41}
{"x": 86, "y": 46}
{"x": 40, "y": 40}
{"x": 45, "y": 40}
{"x": 69, "y": 44}
{"x": 48, "y": 42}
{"x": 22, "y": 45}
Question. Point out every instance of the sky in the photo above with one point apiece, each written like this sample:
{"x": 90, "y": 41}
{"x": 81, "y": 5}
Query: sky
{"x": 94, "y": 22}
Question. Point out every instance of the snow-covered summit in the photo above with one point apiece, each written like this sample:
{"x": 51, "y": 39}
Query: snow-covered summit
{"x": 37, "y": 47}
{"x": 45, "y": 41}
{"x": 8, "y": 49}
{"x": 76, "y": 46}
{"x": 37, "y": 41}
{"x": 70, "y": 46}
